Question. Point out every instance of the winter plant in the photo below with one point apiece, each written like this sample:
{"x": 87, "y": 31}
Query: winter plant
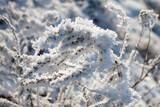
{"x": 69, "y": 63}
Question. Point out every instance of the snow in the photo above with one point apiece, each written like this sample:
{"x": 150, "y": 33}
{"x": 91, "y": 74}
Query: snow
{"x": 79, "y": 53}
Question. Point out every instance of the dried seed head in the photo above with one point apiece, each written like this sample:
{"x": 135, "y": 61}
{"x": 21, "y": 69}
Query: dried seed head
{"x": 148, "y": 18}
{"x": 51, "y": 17}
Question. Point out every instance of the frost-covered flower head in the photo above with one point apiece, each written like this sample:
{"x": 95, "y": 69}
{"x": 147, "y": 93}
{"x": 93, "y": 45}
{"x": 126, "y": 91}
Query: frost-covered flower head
{"x": 148, "y": 18}
{"x": 51, "y": 17}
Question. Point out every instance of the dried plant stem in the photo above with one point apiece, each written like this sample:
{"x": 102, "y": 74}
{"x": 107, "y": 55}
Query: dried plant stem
{"x": 136, "y": 47}
{"x": 146, "y": 55}
{"x": 91, "y": 90}
{"x": 145, "y": 60}
{"x": 148, "y": 91}
{"x": 71, "y": 84}
{"x": 123, "y": 45}
{"x": 37, "y": 96}
{"x": 141, "y": 79}
{"x": 5, "y": 101}
{"x": 13, "y": 31}
{"x": 16, "y": 41}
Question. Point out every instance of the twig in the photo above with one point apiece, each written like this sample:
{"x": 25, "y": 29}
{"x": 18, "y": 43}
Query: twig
{"x": 13, "y": 31}
{"x": 71, "y": 84}
{"x": 37, "y": 96}
{"x": 136, "y": 47}
{"x": 146, "y": 55}
{"x": 91, "y": 90}
{"x": 150, "y": 90}
{"x": 150, "y": 70}
{"x": 5, "y": 101}
{"x": 123, "y": 45}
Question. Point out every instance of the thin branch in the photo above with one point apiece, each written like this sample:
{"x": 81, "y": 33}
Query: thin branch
{"x": 13, "y": 31}
{"x": 150, "y": 70}
{"x": 146, "y": 55}
{"x": 91, "y": 90}
{"x": 71, "y": 84}
{"x": 158, "y": 85}
{"x": 37, "y": 96}
{"x": 16, "y": 40}
{"x": 5, "y": 101}
{"x": 123, "y": 45}
{"x": 136, "y": 47}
